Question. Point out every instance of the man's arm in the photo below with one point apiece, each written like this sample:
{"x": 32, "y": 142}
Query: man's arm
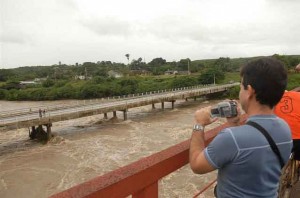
{"x": 198, "y": 161}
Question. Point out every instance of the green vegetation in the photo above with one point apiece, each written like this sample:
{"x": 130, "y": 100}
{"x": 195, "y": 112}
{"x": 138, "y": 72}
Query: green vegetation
{"x": 293, "y": 81}
{"x": 100, "y": 79}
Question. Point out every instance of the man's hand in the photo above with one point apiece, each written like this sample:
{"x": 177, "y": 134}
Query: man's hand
{"x": 203, "y": 116}
{"x": 235, "y": 121}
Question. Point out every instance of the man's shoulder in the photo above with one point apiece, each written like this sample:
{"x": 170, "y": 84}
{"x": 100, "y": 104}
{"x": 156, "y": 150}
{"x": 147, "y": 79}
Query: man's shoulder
{"x": 292, "y": 94}
{"x": 232, "y": 133}
{"x": 236, "y": 129}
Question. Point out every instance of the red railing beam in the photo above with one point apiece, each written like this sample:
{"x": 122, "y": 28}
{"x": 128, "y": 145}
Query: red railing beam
{"x": 149, "y": 191}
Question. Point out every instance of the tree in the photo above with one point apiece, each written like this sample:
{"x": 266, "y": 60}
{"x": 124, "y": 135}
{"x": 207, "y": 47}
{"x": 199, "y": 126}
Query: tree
{"x": 210, "y": 76}
{"x": 137, "y": 64}
{"x": 129, "y": 85}
{"x": 183, "y": 64}
{"x": 157, "y": 62}
{"x": 184, "y": 81}
{"x": 196, "y": 67}
{"x": 11, "y": 84}
{"x": 5, "y": 74}
{"x": 127, "y": 56}
{"x": 223, "y": 64}
{"x": 48, "y": 83}
{"x": 2, "y": 94}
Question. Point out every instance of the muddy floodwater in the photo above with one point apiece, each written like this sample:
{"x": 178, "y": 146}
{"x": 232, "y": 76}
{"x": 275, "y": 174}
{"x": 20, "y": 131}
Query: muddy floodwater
{"x": 88, "y": 147}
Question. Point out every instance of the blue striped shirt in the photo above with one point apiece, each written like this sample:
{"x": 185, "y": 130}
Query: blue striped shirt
{"x": 247, "y": 166}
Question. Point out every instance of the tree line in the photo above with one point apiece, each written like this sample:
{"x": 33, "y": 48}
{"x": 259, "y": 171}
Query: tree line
{"x": 59, "y": 81}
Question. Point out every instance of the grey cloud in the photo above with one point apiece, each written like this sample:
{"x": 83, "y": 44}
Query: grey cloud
{"x": 264, "y": 32}
{"x": 107, "y": 26}
{"x": 176, "y": 28}
{"x": 68, "y": 6}
{"x": 15, "y": 38}
{"x": 68, "y": 3}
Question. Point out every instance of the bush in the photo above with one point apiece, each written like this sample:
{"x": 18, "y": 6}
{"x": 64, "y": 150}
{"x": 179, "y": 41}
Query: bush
{"x": 233, "y": 93}
{"x": 2, "y": 94}
{"x": 48, "y": 83}
{"x": 128, "y": 85}
{"x": 184, "y": 81}
{"x": 211, "y": 75}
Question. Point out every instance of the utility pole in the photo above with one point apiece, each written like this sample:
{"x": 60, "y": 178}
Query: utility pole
{"x": 214, "y": 79}
{"x": 85, "y": 73}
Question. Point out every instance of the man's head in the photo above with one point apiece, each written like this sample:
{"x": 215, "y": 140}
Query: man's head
{"x": 268, "y": 79}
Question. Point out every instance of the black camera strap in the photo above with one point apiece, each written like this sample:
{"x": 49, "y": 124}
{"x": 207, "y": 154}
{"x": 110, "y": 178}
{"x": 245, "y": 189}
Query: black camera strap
{"x": 270, "y": 140}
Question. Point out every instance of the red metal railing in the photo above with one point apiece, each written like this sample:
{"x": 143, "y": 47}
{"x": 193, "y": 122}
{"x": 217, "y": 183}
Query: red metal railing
{"x": 139, "y": 179}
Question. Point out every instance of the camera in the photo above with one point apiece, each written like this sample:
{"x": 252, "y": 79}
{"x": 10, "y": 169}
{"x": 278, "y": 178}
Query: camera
{"x": 226, "y": 109}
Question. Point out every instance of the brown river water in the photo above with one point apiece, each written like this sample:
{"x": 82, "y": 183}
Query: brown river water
{"x": 88, "y": 147}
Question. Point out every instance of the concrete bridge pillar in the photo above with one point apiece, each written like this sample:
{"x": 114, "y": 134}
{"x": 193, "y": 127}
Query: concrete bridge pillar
{"x": 153, "y": 106}
{"x": 114, "y": 114}
{"x": 125, "y": 114}
{"x": 32, "y": 133}
{"x": 173, "y": 101}
{"x": 39, "y": 133}
{"x": 105, "y": 115}
{"x": 162, "y": 105}
{"x": 48, "y": 131}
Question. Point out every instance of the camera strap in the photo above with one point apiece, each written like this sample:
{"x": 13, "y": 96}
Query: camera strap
{"x": 270, "y": 140}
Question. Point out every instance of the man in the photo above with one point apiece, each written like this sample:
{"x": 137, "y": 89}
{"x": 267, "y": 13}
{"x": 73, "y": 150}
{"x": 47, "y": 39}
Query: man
{"x": 289, "y": 109}
{"x": 247, "y": 166}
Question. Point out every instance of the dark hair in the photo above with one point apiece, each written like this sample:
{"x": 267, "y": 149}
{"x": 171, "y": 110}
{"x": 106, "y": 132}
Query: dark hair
{"x": 268, "y": 77}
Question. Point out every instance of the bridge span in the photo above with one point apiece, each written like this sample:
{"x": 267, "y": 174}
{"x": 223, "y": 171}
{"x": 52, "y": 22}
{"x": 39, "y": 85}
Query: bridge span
{"x": 26, "y": 118}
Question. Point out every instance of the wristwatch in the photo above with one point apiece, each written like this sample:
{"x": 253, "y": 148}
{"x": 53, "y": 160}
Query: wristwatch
{"x": 198, "y": 127}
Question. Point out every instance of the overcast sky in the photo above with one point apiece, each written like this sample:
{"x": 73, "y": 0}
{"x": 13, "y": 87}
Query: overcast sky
{"x": 44, "y": 32}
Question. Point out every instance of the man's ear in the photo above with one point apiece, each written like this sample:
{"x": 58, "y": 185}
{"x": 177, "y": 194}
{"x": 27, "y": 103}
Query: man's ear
{"x": 250, "y": 91}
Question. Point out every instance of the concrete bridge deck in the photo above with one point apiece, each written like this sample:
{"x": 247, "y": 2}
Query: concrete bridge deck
{"x": 25, "y": 118}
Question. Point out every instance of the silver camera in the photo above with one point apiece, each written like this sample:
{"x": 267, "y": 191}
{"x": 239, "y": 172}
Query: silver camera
{"x": 226, "y": 109}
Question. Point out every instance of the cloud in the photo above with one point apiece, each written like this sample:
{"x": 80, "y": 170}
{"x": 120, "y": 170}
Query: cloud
{"x": 11, "y": 36}
{"x": 14, "y": 39}
{"x": 75, "y": 30}
{"x": 68, "y": 4}
{"x": 107, "y": 26}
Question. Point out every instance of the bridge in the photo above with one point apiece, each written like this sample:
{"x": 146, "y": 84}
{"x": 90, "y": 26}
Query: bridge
{"x": 32, "y": 118}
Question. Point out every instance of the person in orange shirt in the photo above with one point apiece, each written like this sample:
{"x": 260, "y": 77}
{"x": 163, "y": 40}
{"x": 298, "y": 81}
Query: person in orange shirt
{"x": 289, "y": 109}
